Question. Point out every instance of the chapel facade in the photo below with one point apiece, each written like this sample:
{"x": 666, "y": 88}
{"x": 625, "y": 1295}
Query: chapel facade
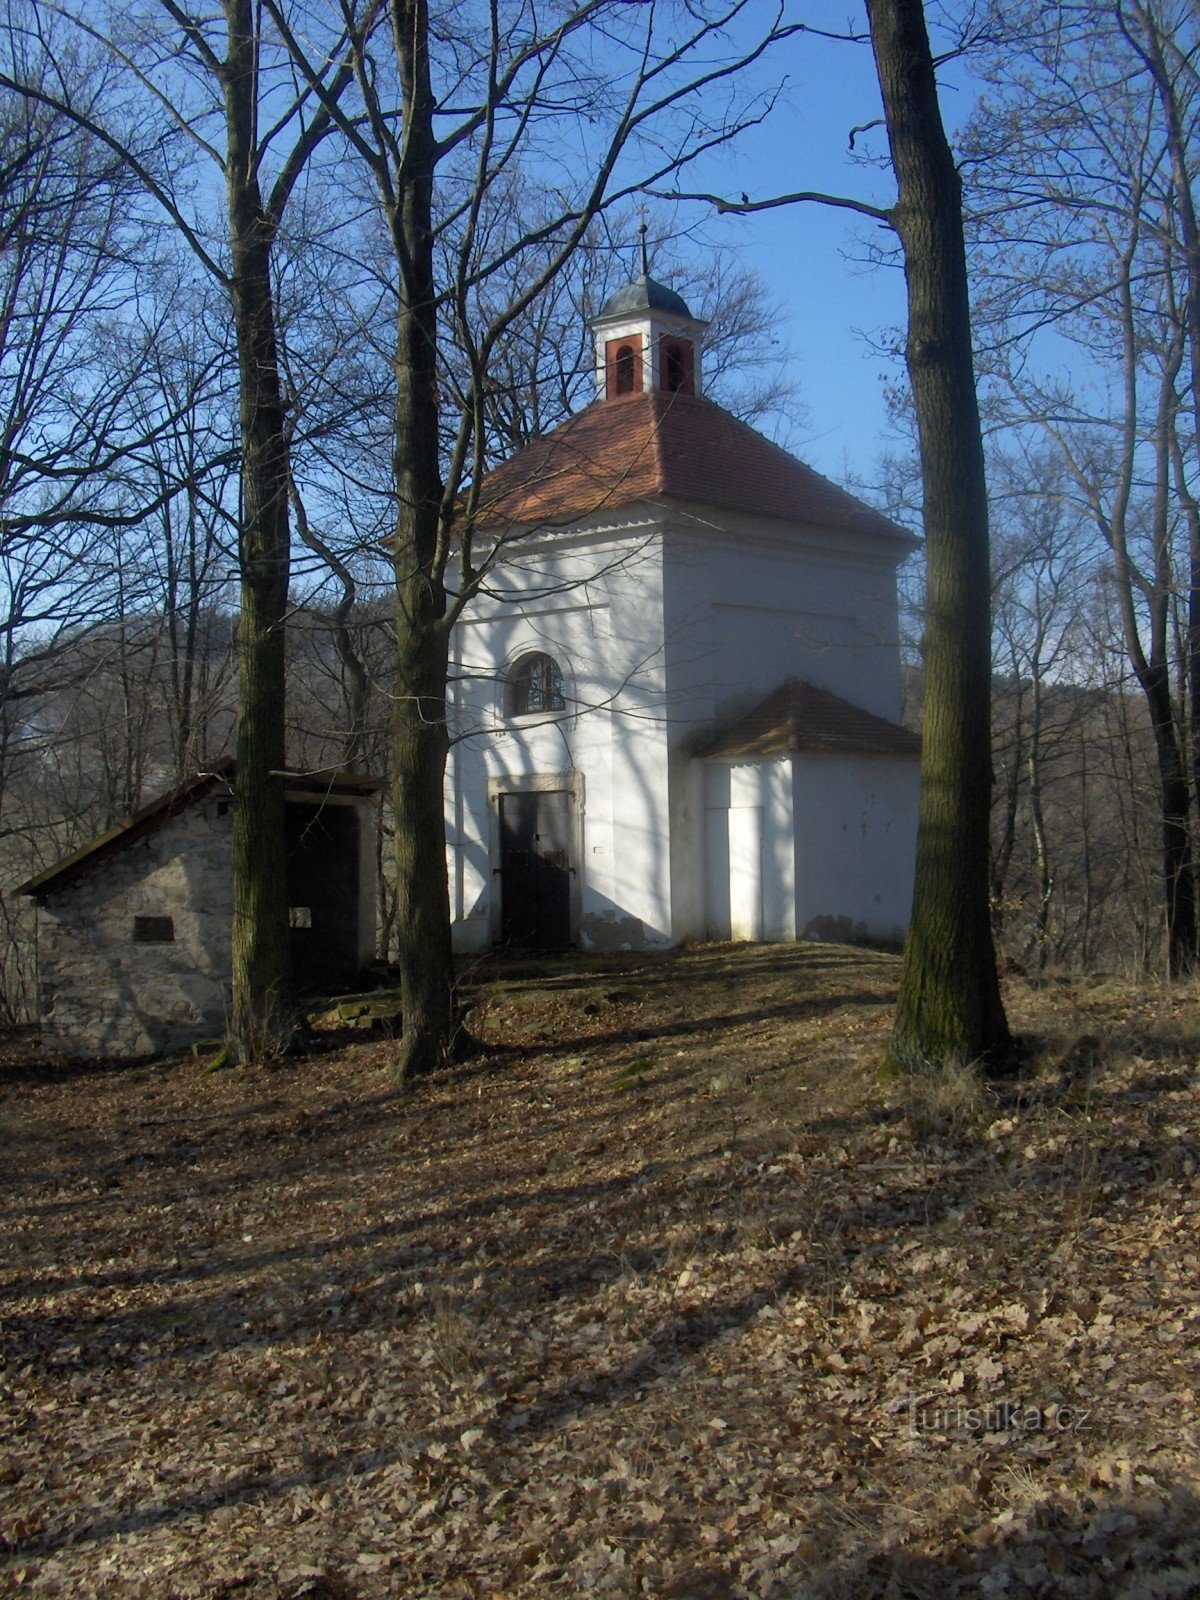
{"x": 676, "y": 710}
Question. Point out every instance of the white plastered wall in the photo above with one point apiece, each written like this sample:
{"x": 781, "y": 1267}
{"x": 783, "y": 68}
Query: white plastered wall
{"x": 855, "y": 842}
{"x": 667, "y": 624}
{"x": 595, "y": 605}
{"x": 742, "y": 615}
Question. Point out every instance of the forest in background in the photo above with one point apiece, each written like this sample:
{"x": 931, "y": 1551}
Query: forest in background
{"x": 119, "y": 470}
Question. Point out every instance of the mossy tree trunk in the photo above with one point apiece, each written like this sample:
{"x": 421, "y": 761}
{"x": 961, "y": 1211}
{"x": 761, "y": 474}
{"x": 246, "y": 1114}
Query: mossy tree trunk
{"x": 949, "y": 1005}
{"x": 264, "y": 1012}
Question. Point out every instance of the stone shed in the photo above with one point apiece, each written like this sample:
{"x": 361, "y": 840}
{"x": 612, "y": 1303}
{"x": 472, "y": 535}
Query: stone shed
{"x": 134, "y": 929}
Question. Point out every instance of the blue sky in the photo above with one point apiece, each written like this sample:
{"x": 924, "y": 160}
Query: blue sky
{"x": 838, "y": 307}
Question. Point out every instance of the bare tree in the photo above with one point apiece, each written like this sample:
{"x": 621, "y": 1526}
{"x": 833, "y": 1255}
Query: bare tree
{"x": 1082, "y": 193}
{"x": 949, "y": 1005}
{"x": 70, "y": 445}
{"x": 444, "y": 114}
{"x": 191, "y": 544}
{"x": 212, "y": 87}
{"x": 1039, "y": 577}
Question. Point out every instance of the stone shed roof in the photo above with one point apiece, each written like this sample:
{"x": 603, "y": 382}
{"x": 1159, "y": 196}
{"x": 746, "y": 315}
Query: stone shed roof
{"x": 159, "y": 811}
{"x": 657, "y": 446}
{"x": 798, "y": 716}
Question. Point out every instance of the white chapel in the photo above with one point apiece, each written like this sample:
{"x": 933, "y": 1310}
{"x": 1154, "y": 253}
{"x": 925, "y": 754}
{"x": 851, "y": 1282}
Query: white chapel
{"x": 675, "y": 710}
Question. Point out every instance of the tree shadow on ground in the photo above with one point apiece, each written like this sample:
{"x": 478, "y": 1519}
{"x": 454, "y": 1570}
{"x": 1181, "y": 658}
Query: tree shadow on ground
{"x": 27, "y": 1067}
{"x": 364, "y": 1289}
{"x": 701, "y": 1023}
{"x": 739, "y": 963}
{"x": 961, "y": 1174}
{"x": 1136, "y": 1543}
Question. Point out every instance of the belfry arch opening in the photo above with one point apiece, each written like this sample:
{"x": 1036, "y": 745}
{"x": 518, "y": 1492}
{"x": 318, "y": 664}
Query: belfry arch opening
{"x": 678, "y": 370}
{"x": 623, "y": 366}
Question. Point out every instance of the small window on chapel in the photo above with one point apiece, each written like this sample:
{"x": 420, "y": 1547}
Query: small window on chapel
{"x": 535, "y": 684}
{"x": 154, "y": 930}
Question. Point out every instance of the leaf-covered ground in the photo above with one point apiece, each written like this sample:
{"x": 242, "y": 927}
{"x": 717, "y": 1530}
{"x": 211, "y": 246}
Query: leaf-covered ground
{"x": 668, "y": 1294}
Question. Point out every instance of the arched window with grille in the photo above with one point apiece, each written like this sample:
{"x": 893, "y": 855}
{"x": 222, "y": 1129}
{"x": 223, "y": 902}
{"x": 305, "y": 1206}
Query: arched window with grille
{"x": 535, "y": 684}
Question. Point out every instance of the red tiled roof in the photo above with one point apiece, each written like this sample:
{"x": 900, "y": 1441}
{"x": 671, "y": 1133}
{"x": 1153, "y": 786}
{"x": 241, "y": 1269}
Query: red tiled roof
{"x": 799, "y": 716}
{"x": 660, "y": 446}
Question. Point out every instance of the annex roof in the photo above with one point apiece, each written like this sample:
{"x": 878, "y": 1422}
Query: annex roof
{"x": 657, "y": 446}
{"x": 798, "y": 716}
{"x": 169, "y": 804}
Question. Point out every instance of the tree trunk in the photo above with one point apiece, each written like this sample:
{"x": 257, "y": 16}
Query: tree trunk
{"x": 949, "y": 1006}
{"x": 420, "y": 737}
{"x": 1041, "y": 843}
{"x": 264, "y": 1011}
{"x": 1178, "y": 868}
{"x": 1085, "y": 833}
{"x": 1193, "y": 677}
{"x": 1006, "y": 829}
{"x": 1175, "y": 808}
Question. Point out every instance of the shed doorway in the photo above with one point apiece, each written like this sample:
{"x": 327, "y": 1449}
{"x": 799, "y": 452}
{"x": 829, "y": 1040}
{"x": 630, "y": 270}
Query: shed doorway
{"x": 323, "y": 895}
{"x": 535, "y": 869}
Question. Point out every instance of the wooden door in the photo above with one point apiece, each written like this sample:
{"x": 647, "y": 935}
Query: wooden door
{"x": 535, "y": 869}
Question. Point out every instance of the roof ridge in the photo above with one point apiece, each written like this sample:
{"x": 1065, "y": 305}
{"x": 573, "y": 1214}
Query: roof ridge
{"x": 630, "y": 465}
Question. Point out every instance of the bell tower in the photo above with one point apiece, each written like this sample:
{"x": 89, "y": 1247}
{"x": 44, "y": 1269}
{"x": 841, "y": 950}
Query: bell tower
{"x": 646, "y": 339}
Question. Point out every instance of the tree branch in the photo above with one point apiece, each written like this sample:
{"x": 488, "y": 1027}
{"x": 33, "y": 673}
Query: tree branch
{"x": 745, "y": 206}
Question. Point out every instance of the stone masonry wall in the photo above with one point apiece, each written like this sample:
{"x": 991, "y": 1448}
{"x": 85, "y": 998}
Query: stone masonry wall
{"x": 105, "y": 994}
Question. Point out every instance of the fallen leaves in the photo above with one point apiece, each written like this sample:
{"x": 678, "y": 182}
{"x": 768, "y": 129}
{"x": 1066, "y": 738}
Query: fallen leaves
{"x": 668, "y": 1295}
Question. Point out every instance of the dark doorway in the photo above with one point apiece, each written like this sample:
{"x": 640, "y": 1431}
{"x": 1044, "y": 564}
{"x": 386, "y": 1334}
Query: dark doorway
{"x": 322, "y": 884}
{"x": 535, "y": 869}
